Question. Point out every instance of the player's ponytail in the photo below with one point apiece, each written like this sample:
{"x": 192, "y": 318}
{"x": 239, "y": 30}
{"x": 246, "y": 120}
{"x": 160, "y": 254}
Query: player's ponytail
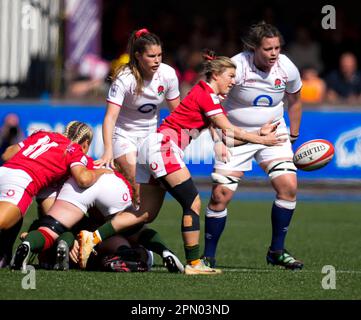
{"x": 78, "y": 132}
{"x": 214, "y": 64}
{"x": 138, "y": 42}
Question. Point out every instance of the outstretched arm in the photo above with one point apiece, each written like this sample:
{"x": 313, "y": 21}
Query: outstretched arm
{"x": 220, "y": 148}
{"x": 230, "y": 131}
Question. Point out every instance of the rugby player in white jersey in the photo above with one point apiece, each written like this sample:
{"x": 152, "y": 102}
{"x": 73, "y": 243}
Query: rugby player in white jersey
{"x": 264, "y": 77}
{"x": 161, "y": 166}
{"x": 134, "y": 99}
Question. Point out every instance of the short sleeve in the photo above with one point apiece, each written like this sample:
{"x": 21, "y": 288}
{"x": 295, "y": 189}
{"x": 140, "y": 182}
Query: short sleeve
{"x": 210, "y": 104}
{"x": 238, "y": 61}
{"x": 173, "y": 87}
{"x": 76, "y": 156}
{"x": 117, "y": 92}
{"x": 294, "y": 82}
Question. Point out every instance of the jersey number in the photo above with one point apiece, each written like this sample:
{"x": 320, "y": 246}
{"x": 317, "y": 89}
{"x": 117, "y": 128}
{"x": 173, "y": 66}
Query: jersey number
{"x": 38, "y": 148}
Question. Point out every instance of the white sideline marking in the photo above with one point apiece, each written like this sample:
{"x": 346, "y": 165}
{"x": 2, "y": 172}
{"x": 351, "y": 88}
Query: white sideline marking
{"x": 225, "y": 270}
{"x": 270, "y": 270}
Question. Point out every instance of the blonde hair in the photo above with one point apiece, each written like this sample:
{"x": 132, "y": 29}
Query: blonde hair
{"x": 215, "y": 65}
{"x": 78, "y": 132}
{"x": 138, "y": 42}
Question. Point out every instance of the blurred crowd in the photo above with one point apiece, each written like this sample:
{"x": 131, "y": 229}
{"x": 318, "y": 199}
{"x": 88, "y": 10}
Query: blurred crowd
{"x": 328, "y": 60}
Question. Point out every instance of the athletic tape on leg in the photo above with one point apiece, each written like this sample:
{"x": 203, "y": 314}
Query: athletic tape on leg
{"x": 230, "y": 182}
{"x": 279, "y": 168}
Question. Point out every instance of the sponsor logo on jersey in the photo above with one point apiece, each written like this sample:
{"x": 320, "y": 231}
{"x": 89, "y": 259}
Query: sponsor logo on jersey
{"x": 215, "y": 98}
{"x": 148, "y": 107}
{"x": 263, "y": 100}
{"x": 160, "y": 90}
{"x": 153, "y": 166}
{"x": 113, "y": 90}
{"x": 10, "y": 193}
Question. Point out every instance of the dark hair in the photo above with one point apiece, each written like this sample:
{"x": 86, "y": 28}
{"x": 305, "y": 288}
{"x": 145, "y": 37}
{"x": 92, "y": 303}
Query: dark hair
{"x": 257, "y": 32}
{"x": 138, "y": 42}
{"x": 215, "y": 65}
{"x": 78, "y": 132}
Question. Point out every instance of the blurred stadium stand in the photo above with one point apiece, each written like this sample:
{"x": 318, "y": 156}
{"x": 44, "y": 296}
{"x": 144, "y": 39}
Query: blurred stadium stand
{"x": 43, "y": 43}
{"x": 55, "y": 56}
{"x": 30, "y": 34}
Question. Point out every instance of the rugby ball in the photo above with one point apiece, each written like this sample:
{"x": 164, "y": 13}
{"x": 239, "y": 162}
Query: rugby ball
{"x": 313, "y": 154}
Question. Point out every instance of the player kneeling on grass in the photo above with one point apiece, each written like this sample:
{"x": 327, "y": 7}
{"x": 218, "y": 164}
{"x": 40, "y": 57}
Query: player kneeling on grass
{"x": 111, "y": 194}
{"x": 161, "y": 168}
{"x": 35, "y": 163}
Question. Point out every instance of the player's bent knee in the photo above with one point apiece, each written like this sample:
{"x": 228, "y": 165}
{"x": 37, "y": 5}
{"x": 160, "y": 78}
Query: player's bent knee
{"x": 221, "y": 196}
{"x": 197, "y": 204}
{"x": 230, "y": 182}
{"x": 279, "y": 168}
{"x": 186, "y": 194}
{"x": 52, "y": 224}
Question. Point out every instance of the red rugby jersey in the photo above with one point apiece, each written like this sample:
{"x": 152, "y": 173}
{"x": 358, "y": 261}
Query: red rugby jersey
{"x": 46, "y": 157}
{"x": 192, "y": 115}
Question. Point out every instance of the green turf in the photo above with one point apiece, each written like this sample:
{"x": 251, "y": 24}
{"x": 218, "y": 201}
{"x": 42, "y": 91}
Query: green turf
{"x": 320, "y": 234}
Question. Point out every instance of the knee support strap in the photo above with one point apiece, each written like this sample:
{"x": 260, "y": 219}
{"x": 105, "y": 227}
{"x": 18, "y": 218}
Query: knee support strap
{"x": 279, "y": 168}
{"x": 230, "y": 182}
{"x": 53, "y": 224}
{"x": 185, "y": 193}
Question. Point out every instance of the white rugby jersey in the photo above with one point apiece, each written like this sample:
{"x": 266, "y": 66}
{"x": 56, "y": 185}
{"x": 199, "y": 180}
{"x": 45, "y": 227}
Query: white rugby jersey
{"x": 139, "y": 113}
{"x": 257, "y": 96}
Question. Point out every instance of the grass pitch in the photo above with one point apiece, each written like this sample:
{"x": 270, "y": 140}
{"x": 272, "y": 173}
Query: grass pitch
{"x": 320, "y": 234}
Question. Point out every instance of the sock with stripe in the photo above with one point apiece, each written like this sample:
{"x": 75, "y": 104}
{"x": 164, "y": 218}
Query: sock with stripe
{"x": 282, "y": 212}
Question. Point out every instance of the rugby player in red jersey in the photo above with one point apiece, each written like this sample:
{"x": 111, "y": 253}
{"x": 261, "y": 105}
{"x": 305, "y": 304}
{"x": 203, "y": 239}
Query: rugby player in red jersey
{"x": 41, "y": 159}
{"x": 161, "y": 168}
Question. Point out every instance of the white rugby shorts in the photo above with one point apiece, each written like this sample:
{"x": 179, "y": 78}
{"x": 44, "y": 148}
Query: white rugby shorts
{"x": 14, "y": 185}
{"x": 109, "y": 194}
{"x": 124, "y": 143}
{"x": 242, "y": 156}
{"x": 158, "y": 156}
